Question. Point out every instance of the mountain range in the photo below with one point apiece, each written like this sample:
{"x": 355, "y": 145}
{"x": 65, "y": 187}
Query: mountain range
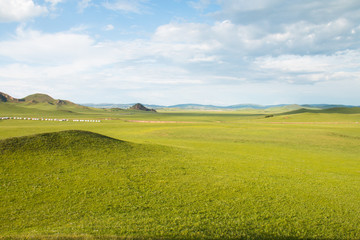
{"x": 40, "y": 98}
{"x": 192, "y": 106}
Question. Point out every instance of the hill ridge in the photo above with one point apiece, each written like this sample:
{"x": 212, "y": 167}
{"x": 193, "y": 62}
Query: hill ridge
{"x": 343, "y": 110}
{"x": 7, "y": 98}
{"x": 139, "y": 106}
{"x": 37, "y": 98}
{"x": 56, "y": 140}
{"x": 44, "y": 98}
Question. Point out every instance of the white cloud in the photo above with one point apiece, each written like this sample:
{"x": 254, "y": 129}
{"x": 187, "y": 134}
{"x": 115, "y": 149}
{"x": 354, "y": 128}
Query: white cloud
{"x": 236, "y": 40}
{"x": 67, "y": 53}
{"x": 349, "y": 60}
{"x": 65, "y": 60}
{"x": 245, "y": 5}
{"x": 132, "y": 6}
{"x": 288, "y": 27}
{"x": 211, "y": 55}
{"x": 344, "y": 65}
{"x": 283, "y": 12}
{"x": 19, "y": 10}
{"x": 200, "y": 5}
{"x": 40, "y": 48}
{"x": 54, "y": 2}
{"x": 109, "y": 27}
{"x": 83, "y": 4}
{"x": 181, "y": 32}
{"x": 230, "y": 60}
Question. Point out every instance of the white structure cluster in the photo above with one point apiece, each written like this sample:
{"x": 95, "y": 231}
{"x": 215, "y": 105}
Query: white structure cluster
{"x": 82, "y": 120}
{"x": 49, "y": 119}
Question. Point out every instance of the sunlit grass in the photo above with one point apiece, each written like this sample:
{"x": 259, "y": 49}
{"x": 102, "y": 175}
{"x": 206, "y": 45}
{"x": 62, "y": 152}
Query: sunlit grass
{"x": 222, "y": 176}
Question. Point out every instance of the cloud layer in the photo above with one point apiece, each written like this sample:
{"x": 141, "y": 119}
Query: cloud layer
{"x": 19, "y": 10}
{"x": 258, "y": 51}
{"x": 132, "y": 6}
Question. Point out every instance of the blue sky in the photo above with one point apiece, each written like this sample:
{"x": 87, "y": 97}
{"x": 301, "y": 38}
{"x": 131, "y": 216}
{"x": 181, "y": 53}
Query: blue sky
{"x": 182, "y": 51}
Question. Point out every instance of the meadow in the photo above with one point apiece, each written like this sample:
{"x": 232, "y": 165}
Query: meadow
{"x": 192, "y": 175}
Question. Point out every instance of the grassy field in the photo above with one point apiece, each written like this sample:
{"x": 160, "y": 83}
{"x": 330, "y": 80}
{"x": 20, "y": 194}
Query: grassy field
{"x": 212, "y": 175}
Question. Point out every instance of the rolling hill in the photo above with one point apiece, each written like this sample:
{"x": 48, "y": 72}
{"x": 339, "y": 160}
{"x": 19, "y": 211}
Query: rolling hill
{"x": 40, "y": 105}
{"x": 209, "y": 182}
{"x": 80, "y": 181}
{"x": 35, "y": 99}
{"x": 343, "y": 110}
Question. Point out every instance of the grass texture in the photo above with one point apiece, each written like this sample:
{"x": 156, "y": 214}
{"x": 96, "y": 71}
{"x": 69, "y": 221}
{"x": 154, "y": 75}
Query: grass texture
{"x": 220, "y": 176}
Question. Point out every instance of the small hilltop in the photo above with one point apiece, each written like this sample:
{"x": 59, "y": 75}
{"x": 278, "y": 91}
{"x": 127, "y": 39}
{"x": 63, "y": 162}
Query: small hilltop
{"x": 141, "y": 107}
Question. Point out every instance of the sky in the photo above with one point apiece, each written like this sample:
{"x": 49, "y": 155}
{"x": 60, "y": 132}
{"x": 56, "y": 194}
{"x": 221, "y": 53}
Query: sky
{"x": 167, "y": 52}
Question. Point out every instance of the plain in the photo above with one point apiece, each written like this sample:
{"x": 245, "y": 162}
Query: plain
{"x": 181, "y": 175}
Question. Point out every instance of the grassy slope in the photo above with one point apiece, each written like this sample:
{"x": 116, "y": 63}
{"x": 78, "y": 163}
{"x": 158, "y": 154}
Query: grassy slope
{"x": 337, "y": 110}
{"x": 24, "y": 109}
{"x": 229, "y": 179}
{"x": 38, "y": 97}
{"x": 76, "y": 182}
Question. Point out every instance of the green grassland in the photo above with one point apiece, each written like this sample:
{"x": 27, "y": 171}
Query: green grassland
{"x": 202, "y": 175}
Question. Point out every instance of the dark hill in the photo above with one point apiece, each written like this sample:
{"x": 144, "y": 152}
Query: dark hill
{"x": 71, "y": 139}
{"x": 141, "y": 107}
{"x": 7, "y": 98}
{"x": 343, "y": 110}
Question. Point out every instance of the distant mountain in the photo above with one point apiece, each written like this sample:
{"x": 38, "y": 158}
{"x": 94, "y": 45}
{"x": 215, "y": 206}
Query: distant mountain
{"x": 325, "y": 106}
{"x": 36, "y": 99}
{"x": 284, "y": 108}
{"x": 119, "y": 105}
{"x": 43, "y": 98}
{"x": 7, "y": 98}
{"x": 234, "y": 107}
{"x": 46, "y": 99}
{"x": 192, "y": 106}
{"x": 242, "y": 106}
{"x": 344, "y": 110}
{"x": 141, "y": 107}
{"x": 108, "y": 105}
